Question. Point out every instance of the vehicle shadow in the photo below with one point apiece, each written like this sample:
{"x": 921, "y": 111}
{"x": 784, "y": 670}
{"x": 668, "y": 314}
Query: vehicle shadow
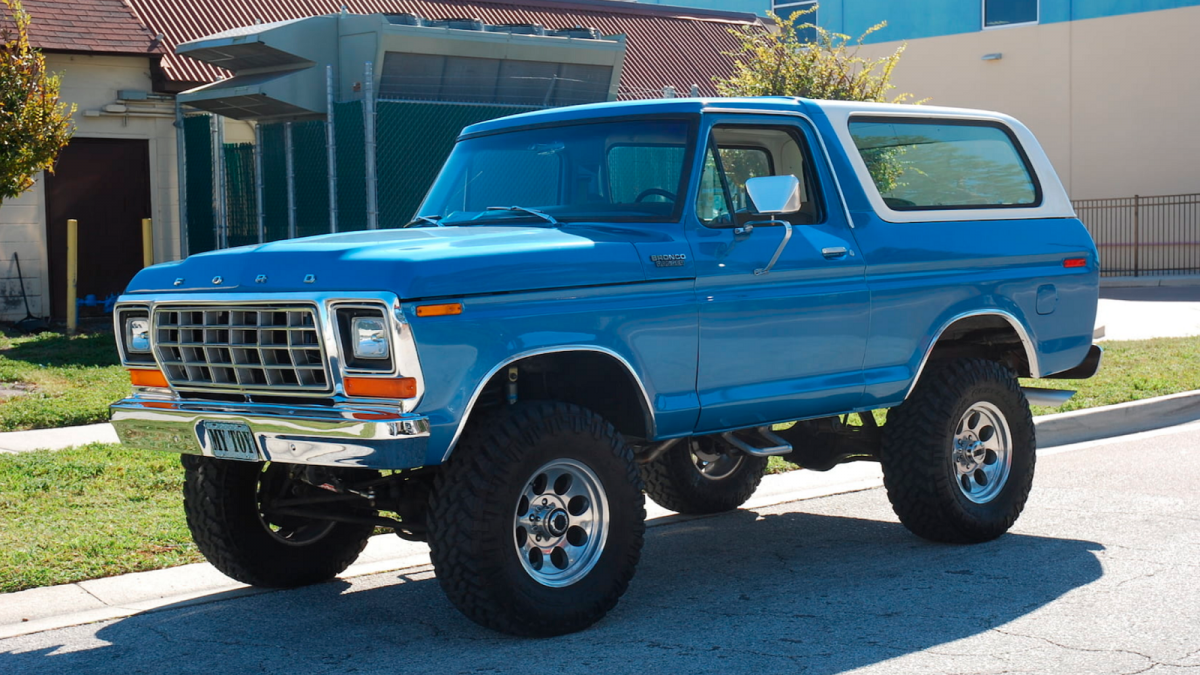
{"x": 1152, "y": 294}
{"x": 739, "y": 592}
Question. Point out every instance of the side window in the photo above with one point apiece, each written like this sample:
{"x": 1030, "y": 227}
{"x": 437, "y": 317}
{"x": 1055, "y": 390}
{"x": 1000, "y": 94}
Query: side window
{"x": 736, "y": 154}
{"x": 924, "y": 164}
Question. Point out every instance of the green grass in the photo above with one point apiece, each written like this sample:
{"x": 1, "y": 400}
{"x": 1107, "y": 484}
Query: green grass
{"x": 104, "y": 510}
{"x": 89, "y": 512}
{"x": 73, "y": 379}
{"x": 1130, "y": 371}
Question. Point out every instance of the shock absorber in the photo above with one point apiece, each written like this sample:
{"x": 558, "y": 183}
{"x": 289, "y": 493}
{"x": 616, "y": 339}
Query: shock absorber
{"x": 511, "y": 387}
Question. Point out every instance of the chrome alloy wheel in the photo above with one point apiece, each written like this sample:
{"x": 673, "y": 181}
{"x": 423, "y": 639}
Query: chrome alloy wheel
{"x": 711, "y": 462}
{"x": 561, "y": 523}
{"x": 982, "y": 454}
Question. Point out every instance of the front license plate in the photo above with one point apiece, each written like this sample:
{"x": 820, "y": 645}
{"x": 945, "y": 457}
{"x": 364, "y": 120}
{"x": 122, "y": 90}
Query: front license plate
{"x": 230, "y": 440}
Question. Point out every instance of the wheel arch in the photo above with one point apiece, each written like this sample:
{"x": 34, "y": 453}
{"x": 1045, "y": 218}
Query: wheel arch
{"x": 590, "y": 358}
{"x": 991, "y": 333}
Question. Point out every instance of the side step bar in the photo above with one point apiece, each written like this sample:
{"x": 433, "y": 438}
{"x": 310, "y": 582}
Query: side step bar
{"x": 1050, "y": 398}
{"x": 780, "y": 447}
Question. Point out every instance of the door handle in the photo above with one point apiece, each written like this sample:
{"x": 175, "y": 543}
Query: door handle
{"x": 834, "y": 252}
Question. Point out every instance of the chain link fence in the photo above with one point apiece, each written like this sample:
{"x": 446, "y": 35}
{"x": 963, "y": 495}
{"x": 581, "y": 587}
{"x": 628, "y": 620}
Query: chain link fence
{"x": 279, "y": 187}
{"x": 414, "y": 139}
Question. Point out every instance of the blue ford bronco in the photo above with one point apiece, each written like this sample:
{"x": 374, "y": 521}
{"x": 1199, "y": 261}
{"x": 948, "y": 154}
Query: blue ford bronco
{"x": 602, "y": 302}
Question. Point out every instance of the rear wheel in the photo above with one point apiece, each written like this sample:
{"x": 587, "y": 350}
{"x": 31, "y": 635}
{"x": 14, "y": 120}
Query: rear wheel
{"x": 703, "y": 475}
{"x": 227, "y": 504}
{"x": 958, "y": 456}
{"x": 536, "y": 522}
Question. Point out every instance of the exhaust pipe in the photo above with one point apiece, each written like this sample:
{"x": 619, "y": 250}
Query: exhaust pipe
{"x": 1050, "y": 398}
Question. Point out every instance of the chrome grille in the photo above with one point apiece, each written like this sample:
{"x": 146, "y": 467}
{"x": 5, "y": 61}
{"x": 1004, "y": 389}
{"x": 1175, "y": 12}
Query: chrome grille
{"x": 269, "y": 348}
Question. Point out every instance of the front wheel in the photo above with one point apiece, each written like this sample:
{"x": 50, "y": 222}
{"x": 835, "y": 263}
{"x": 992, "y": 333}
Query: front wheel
{"x": 536, "y": 523}
{"x": 958, "y": 455}
{"x": 228, "y": 508}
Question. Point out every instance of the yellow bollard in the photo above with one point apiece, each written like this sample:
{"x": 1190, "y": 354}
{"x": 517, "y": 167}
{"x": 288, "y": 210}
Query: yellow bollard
{"x": 147, "y": 243}
{"x": 72, "y": 272}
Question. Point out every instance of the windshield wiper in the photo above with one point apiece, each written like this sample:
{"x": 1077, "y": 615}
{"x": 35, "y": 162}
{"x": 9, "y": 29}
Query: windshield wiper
{"x": 432, "y": 220}
{"x": 533, "y": 212}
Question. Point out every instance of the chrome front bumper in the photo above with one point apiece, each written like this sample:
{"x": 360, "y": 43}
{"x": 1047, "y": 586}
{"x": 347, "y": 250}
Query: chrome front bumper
{"x": 373, "y": 437}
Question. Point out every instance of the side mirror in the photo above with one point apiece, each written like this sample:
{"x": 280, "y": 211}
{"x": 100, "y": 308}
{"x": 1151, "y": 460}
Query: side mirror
{"x": 774, "y": 194}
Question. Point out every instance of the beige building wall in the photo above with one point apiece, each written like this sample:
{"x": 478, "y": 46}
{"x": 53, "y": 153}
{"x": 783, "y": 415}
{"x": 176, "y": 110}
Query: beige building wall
{"x": 1114, "y": 101}
{"x": 91, "y": 83}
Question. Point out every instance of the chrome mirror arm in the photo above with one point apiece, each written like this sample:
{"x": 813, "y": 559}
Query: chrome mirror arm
{"x": 787, "y": 236}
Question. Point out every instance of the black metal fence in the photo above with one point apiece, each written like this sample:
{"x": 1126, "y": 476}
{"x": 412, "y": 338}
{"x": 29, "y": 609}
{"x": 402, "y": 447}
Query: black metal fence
{"x": 1145, "y": 236}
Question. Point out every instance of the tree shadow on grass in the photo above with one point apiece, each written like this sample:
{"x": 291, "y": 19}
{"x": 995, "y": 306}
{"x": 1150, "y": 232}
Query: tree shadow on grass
{"x": 794, "y": 592}
{"x": 90, "y": 350}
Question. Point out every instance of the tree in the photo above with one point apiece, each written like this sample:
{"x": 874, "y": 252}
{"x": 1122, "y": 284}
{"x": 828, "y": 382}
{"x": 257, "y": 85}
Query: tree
{"x": 34, "y": 123}
{"x": 782, "y": 63}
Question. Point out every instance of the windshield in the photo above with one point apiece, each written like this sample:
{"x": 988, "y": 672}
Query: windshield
{"x": 609, "y": 171}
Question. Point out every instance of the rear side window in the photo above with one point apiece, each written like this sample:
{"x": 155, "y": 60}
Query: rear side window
{"x": 945, "y": 164}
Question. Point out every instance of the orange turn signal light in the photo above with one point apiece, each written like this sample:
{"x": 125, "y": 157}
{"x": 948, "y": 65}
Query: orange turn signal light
{"x": 142, "y": 377}
{"x": 381, "y": 387}
{"x": 1075, "y": 262}
{"x": 446, "y": 309}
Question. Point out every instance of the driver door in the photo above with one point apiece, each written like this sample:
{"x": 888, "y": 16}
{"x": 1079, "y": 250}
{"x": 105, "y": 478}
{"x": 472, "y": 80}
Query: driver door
{"x": 787, "y": 343}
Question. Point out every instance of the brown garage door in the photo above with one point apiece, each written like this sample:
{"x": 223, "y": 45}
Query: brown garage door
{"x": 105, "y": 185}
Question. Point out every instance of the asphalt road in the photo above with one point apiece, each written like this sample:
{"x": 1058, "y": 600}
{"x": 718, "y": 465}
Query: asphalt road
{"x": 1100, "y": 575}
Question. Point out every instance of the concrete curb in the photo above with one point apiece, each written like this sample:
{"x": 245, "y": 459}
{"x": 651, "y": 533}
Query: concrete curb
{"x": 53, "y": 607}
{"x": 1121, "y": 419}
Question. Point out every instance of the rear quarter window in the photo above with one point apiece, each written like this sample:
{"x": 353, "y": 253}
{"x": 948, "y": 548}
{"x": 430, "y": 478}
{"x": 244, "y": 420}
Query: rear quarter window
{"x": 924, "y": 164}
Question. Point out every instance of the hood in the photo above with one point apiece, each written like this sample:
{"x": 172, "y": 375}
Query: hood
{"x": 413, "y": 263}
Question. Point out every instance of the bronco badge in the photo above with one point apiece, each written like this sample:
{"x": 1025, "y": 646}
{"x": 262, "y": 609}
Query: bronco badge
{"x": 670, "y": 260}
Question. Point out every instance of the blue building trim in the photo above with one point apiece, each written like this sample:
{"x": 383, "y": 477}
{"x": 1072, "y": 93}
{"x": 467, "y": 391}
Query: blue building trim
{"x": 915, "y": 19}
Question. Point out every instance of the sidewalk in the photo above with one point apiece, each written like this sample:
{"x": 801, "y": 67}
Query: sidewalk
{"x": 56, "y": 439}
{"x": 1142, "y": 313}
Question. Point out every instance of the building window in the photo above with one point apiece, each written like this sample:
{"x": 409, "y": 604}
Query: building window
{"x": 786, "y": 8}
{"x": 1003, "y": 13}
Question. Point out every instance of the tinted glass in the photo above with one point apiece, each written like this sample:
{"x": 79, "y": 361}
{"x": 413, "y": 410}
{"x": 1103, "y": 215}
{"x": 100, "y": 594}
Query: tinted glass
{"x": 628, "y": 170}
{"x": 737, "y": 153}
{"x": 1004, "y": 12}
{"x": 638, "y": 171}
{"x": 920, "y": 164}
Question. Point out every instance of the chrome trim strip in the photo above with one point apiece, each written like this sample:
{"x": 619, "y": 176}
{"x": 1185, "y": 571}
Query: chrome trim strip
{"x": 462, "y": 423}
{"x": 837, "y": 184}
{"x": 381, "y": 437}
{"x": 1030, "y": 352}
